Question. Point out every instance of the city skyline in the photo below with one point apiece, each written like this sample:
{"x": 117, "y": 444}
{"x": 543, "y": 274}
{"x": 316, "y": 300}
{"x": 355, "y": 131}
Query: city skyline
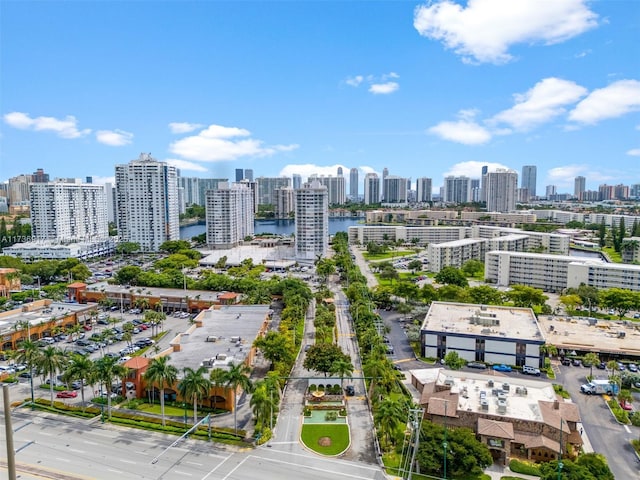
{"x": 284, "y": 88}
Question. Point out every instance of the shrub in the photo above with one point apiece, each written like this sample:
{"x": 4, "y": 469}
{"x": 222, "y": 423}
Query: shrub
{"x": 343, "y": 412}
{"x": 635, "y": 419}
{"x": 312, "y": 387}
{"x": 526, "y": 468}
{"x": 331, "y": 416}
{"x": 307, "y": 412}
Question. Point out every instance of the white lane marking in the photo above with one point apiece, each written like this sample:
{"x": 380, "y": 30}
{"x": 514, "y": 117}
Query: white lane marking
{"x": 337, "y": 472}
{"x": 235, "y": 468}
{"x": 216, "y": 467}
{"x": 194, "y": 463}
{"x": 75, "y": 450}
{"x": 183, "y": 473}
{"x": 127, "y": 461}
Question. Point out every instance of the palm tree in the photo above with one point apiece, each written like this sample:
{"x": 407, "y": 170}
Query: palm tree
{"x": 262, "y": 402}
{"x": 591, "y": 358}
{"x": 50, "y": 361}
{"x": 161, "y": 373}
{"x": 29, "y": 354}
{"x": 82, "y": 368}
{"x": 343, "y": 368}
{"x": 217, "y": 377}
{"x": 108, "y": 368}
{"x": 194, "y": 386}
{"x": 236, "y": 377}
{"x": 388, "y": 415}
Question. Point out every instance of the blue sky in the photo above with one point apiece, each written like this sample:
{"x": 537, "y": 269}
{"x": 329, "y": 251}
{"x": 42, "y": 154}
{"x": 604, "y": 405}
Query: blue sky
{"x": 281, "y": 87}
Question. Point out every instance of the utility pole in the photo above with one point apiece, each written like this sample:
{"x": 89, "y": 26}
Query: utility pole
{"x": 11, "y": 453}
{"x": 415, "y": 424}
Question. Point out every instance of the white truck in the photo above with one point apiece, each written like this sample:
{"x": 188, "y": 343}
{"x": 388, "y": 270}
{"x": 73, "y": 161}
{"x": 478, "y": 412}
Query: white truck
{"x": 599, "y": 387}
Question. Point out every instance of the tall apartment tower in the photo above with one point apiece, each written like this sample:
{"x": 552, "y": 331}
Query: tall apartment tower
{"x": 297, "y": 181}
{"x": 229, "y": 215}
{"x": 336, "y": 187}
{"x": 18, "y": 190}
{"x": 312, "y": 221}
{"x": 385, "y": 174}
{"x": 501, "y": 190}
{"x": 396, "y": 189}
{"x": 239, "y": 174}
{"x": 551, "y": 191}
{"x": 248, "y": 174}
{"x": 339, "y": 171}
{"x": 529, "y": 179}
{"x": 457, "y": 189}
{"x": 266, "y": 187}
{"x": 353, "y": 184}
{"x": 147, "y": 202}
{"x": 483, "y": 183}
{"x": 284, "y": 202}
{"x": 423, "y": 190}
{"x": 110, "y": 195}
{"x": 371, "y": 189}
{"x": 68, "y": 212}
{"x": 40, "y": 177}
{"x": 579, "y": 186}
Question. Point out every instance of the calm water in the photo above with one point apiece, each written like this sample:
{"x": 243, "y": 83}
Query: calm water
{"x": 278, "y": 227}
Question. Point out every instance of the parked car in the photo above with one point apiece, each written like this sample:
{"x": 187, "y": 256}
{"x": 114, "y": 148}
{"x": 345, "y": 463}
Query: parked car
{"x": 67, "y": 394}
{"x": 76, "y": 385}
{"x": 350, "y": 390}
{"x": 502, "y": 368}
{"x": 576, "y": 362}
{"x": 478, "y": 365}
{"x": 632, "y": 367}
{"x": 25, "y": 374}
{"x": 626, "y": 405}
{"x": 601, "y": 366}
{"x": 566, "y": 362}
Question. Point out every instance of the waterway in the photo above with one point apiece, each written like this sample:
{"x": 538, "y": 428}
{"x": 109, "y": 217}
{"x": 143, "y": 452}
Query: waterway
{"x": 277, "y": 227}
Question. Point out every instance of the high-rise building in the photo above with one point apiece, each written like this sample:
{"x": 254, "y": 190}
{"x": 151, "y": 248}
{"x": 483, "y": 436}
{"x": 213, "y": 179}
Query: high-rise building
{"x": 229, "y": 215}
{"x": 336, "y": 187}
{"x": 476, "y": 191}
{"x": 457, "y": 189}
{"x": 266, "y": 187}
{"x": 110, "y": 195}
{"x": 396, "y": 189}
{"x": 40, "y": 177}
{"x": 501, "y": 190}
{"x": 385, "y": 174}
{"x": 579, "y": 186}
{"x": 248, "y": 174}
{"x": 19, "y": 190}
{"x": 339, "y": 171}
{"x": 634, "y": 190}
{"x": 371, "y": 189}
{"x": 239, "y": 174}
{"x": 191, "y": 188}
{"x": 68, "y": 212}
{"x": 423, "y": 188}
{"x": 483, "y": 183}
{"x": 297, "y": 181}
{"x": 551, "y": 191}
{"x": 312, "y": 221}
{"x": 621, "y": 192}
{"x": 284, "y": 202}
{"x": 353, "y": 184}
{"x": 147, "y": 202}
{"x": 529, "y": 179}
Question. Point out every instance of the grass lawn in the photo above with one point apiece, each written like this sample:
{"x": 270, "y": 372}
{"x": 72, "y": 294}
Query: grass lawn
{"x": 168, "y": 410}
{"x": 612, "y": 254}
{"x": 339, "y": 435}
{"x": 387, "y": 255}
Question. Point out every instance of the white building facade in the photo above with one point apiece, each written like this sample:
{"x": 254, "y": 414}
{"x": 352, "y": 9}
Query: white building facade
{"x": 229, "y": 214}
{"x": 312, "y": 222}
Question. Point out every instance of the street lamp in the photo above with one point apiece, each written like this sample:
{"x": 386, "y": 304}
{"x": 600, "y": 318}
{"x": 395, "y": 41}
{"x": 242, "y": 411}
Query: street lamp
{"x": 445, "y": 444}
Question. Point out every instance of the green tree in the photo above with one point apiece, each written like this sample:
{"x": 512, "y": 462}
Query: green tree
{"x": 51, "y": 361}
{"x": 325, "y": 267}
{"x": 342, "y": 368}
{"x": 524, "y": 296}
{"x": 451, "y": 276}
{"x": 194, "y": 386}
{"x": 160, "y": 372}
{"x": 472, "y": 267}
{"x": 173, "y": 246}
{"x": 275, "y": 347}
{"x": 127, "y": 248}
{"x": 485, "y": 295}
{"x": 591, "y": 359}
{"x": 602, "y": 232}
{"x": 237, "y": 377}
{"x": 82, "y": 369}
{"x": 620, "y": 300}
{"x": 453, "y": 360}
{"x": 263, "y": 403}
{"x": 322, "y": 356}
{"x": 388, "y": 416}
{"x": 107, "y": 369}
{"x": 414, "y": 265}
{"x": 588, "y": 466}
{"x": 570, "y": 302}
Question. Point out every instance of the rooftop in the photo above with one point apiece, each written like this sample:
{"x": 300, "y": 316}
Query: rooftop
{"x": 495, "y": 394}
{"x": 43, "y": 314}
{"x": 226, "y": 336}
{"x": 204, "y": 295}
{"x": 280, "y": 256}
{"x": 482, "y": 320}
{"x": 583, "y": 334}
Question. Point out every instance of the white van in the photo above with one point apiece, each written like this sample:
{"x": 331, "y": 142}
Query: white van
{"x": 531, "y": 371}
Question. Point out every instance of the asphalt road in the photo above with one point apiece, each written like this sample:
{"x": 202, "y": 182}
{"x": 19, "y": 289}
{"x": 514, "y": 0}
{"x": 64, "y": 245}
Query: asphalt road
{"x": 64, "y": 448}
{"x": 606, "y": 435}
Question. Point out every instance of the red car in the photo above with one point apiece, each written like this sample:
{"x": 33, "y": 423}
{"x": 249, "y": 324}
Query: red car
{"x": 87, "y": 327}
{"x": 626, "y": 405}
{"x": 67, "y": 394}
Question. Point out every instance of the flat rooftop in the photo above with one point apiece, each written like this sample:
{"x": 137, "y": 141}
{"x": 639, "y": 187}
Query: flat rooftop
{"x": 280, "y": 256}
{"x": 460, "y": 243}
{"x": 204, "y": 295}
{"x": 55, "y": 310}
{"x": 521, "y": 398}
{"x": 226, "y": 336}
{"x": 582, "y": 334}
{"x": 482, "y": 320}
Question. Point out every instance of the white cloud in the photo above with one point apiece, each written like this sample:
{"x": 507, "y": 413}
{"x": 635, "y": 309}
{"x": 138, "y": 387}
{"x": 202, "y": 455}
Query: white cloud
{"x": 354, "y": 81}
{"x": 114, "y": 138}
{"x": 66, "y": 128}
{"x": 634, "y": 152}
{"x": 565, "y": 174}
{"x": 471, "y": 169}
{"x": 217, "y": 143}
{"x": 486, "y": 29}
{"x": 97, "y": 179}
{"x": 540, "y": 104}
{"x": 183, "y": 127}
{"x": 612, "y": 101}
{"x": 185, "y": 165}
{"x": 378, "y": 85}
{"x": 467, "y": 132}
{"x": 383, "y": 88}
